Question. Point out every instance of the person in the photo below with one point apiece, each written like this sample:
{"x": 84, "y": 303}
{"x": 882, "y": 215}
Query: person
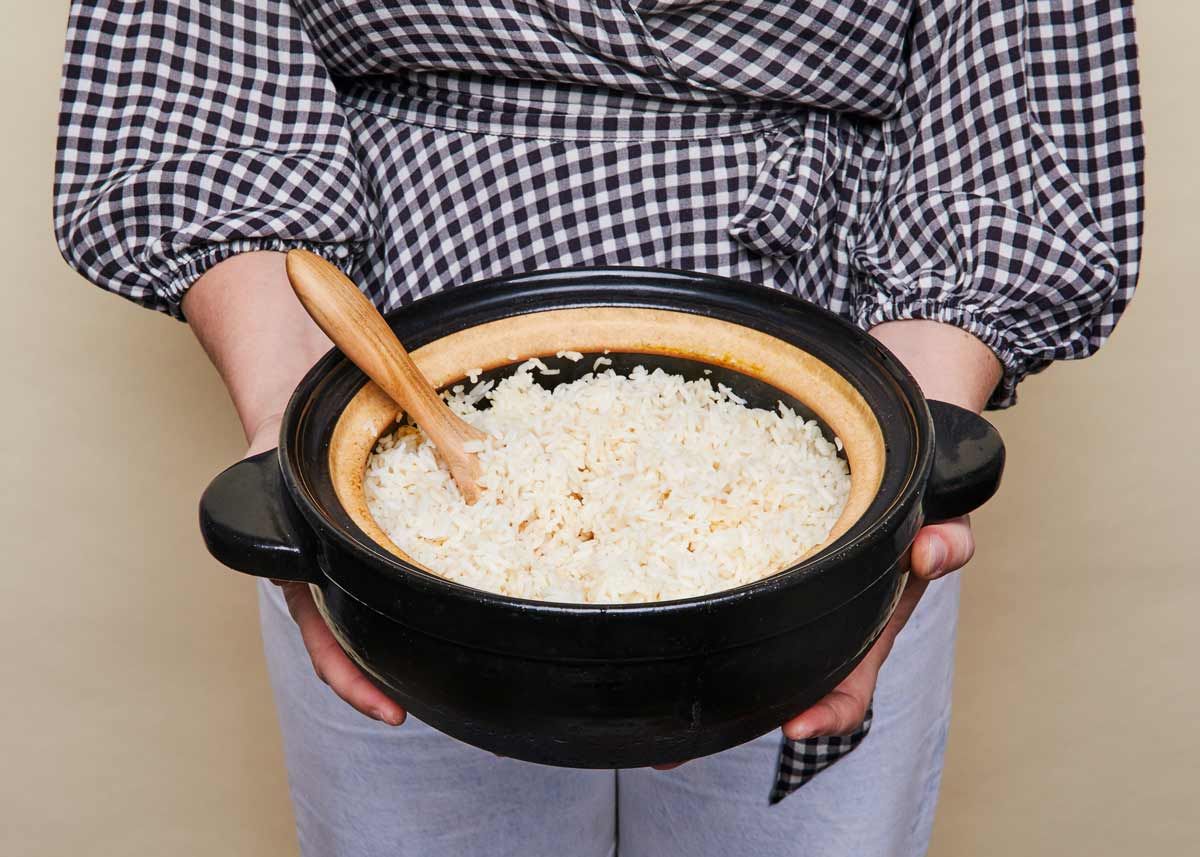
{"x": 963, "y": 179}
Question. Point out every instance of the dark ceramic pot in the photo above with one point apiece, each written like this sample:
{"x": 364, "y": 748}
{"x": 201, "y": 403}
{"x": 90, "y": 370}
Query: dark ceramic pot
{"x": 606, "y": 686}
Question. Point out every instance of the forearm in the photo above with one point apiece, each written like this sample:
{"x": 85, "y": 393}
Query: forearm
{"x": 255, "y": 332}
{"x": 950, "y": 364}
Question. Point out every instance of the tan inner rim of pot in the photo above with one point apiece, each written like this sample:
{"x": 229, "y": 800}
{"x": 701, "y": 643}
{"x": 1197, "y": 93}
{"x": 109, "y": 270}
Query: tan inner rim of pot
{"x": 371, "y": 413}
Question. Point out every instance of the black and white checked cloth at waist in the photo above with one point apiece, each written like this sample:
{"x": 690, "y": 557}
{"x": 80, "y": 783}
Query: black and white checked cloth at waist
{"x": 976, "y": 163}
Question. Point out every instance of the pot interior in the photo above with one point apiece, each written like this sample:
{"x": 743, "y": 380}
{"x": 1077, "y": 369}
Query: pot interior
{"x": 758, "y": 367}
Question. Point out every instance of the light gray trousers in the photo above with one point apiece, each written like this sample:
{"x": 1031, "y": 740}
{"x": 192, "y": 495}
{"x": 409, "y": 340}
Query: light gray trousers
{"x": 363, "y": 789}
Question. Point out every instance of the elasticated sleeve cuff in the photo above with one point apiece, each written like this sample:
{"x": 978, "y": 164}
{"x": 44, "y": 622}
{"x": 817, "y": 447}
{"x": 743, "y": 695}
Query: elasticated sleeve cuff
{"x": 874, "y": 309}
{"x": 184, "y": 270}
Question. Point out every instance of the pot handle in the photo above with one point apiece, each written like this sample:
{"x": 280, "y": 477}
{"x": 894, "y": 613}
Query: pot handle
{"x": 250, "y": 524}
{"x": 967, "y": 462}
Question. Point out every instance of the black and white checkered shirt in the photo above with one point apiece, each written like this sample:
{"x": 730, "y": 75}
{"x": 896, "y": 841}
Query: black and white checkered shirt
{"x": 976, "y": 162}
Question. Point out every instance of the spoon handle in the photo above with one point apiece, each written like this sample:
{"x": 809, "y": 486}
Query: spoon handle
{"x": 356, "y": 327}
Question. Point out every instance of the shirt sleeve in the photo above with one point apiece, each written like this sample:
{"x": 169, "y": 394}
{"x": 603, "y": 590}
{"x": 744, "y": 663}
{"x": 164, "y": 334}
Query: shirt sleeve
{"x": 191, "y": 130}
{"x": 1011, "y": 204}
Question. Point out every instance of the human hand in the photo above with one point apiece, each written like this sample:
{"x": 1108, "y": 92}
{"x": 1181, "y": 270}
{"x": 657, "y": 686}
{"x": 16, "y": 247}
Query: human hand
{"x": 262, "y": 342}
{"x": 952, "y": 366}
{"x": 938, "y": 550}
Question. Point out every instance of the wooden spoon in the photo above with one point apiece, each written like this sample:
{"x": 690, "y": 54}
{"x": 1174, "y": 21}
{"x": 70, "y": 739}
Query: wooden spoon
{"x": 357, "y": 328}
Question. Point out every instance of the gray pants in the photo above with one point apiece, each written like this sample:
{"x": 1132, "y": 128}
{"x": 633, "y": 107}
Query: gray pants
{"x": 362, "y": 789}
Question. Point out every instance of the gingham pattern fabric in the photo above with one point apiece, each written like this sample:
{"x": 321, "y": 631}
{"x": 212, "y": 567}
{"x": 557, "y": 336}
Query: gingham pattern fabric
{"x": 471, "y": 188}
{"x": 977, "y": 162}
{"x": 800, "y": 761}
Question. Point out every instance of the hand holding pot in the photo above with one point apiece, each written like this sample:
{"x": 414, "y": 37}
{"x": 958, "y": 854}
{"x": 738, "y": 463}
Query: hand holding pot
{"x": 262, "y": 342}
{"x": 951, "y": 366}
{"x": 613, "y": 686}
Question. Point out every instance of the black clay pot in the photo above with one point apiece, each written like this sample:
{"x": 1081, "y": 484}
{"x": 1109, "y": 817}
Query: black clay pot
{"x": 605, "y": 686}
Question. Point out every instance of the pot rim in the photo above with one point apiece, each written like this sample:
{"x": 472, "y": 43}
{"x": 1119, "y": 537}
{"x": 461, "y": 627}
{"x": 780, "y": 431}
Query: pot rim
{"x": 500, "y": 297}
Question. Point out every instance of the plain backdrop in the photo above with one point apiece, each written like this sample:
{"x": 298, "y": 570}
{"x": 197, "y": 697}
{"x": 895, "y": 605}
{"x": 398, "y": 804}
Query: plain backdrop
{"x": 135, "y": 713}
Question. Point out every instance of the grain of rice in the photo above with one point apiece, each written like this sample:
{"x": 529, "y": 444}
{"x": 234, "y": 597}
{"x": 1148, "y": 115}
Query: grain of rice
{"x": 534, "y": 363}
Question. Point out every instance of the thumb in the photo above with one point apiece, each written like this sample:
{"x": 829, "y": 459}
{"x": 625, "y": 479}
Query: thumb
{"x": 942, "y": 548}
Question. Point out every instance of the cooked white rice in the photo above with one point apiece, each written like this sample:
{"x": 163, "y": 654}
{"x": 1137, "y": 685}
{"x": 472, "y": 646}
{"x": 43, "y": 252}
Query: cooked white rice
{"x": 612, "y": 489}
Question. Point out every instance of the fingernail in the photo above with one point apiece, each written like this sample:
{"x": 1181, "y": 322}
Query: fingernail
{"x": 938, "y": 555}
{"x": 392, "y": 718}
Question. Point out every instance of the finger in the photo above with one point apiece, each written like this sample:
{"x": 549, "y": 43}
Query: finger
{"x": 840, "y": 712}
{"x": 332, "y": 665}
{"x": 843, "y": 709}
{"x": 942, "y": 548}
{"x": 669, "y": 766}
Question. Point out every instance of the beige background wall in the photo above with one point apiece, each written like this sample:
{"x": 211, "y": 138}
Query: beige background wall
{"x": 135, "y": 716}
